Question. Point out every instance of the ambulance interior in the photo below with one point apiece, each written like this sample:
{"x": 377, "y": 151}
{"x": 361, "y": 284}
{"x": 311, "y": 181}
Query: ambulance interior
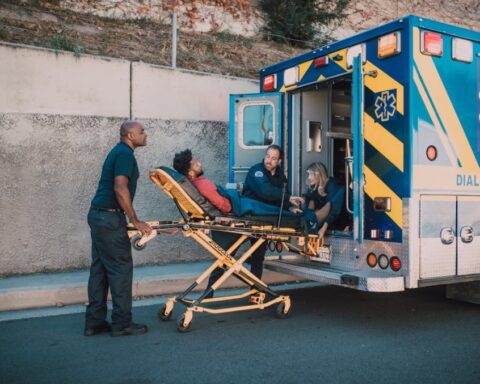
{"x": 322, "y": 125}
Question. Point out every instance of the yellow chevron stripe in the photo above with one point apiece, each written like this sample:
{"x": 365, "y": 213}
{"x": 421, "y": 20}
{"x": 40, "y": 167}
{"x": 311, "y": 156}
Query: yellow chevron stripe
{"x": 383, "y": 82}
{"x": 443, "y": 105}
{"x": 383, "y": 141}
{"x": 303, "y": 68}
{"x": 342, "y": 63}
{"x": 375, "y": 187}
{"x": 443, "y": 138}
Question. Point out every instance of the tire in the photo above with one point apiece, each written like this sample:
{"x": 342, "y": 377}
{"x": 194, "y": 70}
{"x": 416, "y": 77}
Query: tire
{"x": 181, "y": 327}
{"x": 280, "y": 311}
{"x": 162, "y": 313}
{"x": 135, "y": 245}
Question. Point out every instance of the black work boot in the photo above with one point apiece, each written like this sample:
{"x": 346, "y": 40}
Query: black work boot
{"x": 130, "y": 330}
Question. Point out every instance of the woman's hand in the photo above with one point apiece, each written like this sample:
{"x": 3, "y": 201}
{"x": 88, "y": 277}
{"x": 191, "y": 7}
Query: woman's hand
{"x": 322, "y": 231}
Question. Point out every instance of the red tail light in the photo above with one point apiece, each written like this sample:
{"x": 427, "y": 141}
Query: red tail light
{"x": 395, "y": 263}
{"x": 269, "y": 83}
{"x": 320, "y": 61}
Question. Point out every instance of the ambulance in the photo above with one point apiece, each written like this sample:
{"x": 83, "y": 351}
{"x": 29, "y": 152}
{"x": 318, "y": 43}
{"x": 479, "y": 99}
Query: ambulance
{"x": 394, "y": 114}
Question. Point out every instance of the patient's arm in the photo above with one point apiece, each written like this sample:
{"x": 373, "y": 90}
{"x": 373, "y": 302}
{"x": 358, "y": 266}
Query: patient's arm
{"x": 209, "y": 190}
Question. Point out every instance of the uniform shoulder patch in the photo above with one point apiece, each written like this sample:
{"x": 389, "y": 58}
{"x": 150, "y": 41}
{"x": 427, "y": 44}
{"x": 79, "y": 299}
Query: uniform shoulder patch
{"x": 259, "y": 174}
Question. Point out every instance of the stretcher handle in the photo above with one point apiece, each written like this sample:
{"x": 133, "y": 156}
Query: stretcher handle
{"x": 281, "y": 205}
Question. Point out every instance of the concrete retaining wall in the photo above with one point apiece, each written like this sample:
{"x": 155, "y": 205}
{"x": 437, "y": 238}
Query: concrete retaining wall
{"x": 59, "y": 117}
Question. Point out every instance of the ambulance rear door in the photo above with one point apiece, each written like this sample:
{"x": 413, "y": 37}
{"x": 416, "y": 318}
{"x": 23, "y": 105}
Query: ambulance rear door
{"x": 256, "y": 122}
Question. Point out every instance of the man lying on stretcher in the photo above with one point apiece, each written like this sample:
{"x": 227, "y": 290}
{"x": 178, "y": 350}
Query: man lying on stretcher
{"x": 262, "y": 195}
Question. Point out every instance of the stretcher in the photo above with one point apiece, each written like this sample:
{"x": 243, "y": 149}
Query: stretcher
{"x": 196, "y": 221}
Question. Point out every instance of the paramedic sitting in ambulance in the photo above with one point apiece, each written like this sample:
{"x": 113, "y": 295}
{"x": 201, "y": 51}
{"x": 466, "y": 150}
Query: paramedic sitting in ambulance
{"x": 325, "y": 195}
{"x": 266, "y": 181}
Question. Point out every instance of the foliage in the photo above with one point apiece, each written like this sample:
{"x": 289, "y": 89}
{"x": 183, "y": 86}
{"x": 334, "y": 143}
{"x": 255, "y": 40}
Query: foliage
{"x": 64, "y": 43}
{"x": 298, "y": 21}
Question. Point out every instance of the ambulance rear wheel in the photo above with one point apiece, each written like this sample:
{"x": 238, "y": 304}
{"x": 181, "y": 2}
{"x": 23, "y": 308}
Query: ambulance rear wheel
{"x": 280, "y": 311}
{"x": 163, "y": 314}
{"x": 181, "y": 326}
{"x": 136, "y": 245}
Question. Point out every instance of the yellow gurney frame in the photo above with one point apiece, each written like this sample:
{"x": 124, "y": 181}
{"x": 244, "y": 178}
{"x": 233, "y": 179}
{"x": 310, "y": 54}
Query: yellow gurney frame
{"x": 195, "y": 223}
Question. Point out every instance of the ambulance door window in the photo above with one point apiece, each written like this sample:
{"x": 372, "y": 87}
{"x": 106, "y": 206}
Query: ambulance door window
{"x": 256, "y": 127}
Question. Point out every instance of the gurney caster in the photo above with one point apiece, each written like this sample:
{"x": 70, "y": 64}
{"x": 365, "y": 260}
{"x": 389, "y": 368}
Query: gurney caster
{"x": 166, "y": 310}
{"x": 283, "y": 309}
{"x": 136, "y": 243}
{"x": 184, "y": 322}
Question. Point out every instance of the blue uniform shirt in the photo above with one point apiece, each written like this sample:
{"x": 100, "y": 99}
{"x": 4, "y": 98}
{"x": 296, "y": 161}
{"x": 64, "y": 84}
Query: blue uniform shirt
{"x": 335, "y": 195}
{"x": 261, "y": 185}
{"x": 119, "y": 162}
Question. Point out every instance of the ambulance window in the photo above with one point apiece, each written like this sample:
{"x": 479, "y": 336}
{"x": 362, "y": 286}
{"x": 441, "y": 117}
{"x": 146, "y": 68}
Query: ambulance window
{"x": 256, "y": 127}
{"x": 314, "y": 136}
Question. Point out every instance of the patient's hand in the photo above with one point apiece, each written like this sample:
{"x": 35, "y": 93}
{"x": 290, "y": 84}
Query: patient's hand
{"x": 296, "y": 200}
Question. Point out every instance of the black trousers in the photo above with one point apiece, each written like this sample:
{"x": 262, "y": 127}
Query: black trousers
{"x": 225, "y": 240}
{"x": 112, "y": 267}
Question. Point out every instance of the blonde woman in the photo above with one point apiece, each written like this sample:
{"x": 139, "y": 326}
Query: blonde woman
{"x": 325, "y": 196}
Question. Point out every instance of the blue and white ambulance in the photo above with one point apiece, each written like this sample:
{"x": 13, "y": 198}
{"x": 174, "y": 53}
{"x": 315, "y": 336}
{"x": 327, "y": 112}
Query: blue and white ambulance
{"x": 394, "y": 113}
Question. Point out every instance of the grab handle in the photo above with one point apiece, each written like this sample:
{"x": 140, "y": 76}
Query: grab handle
{"x": 348, "y": 166}
{"x": 466, "y": 234}
{"x": 447, "y": 236}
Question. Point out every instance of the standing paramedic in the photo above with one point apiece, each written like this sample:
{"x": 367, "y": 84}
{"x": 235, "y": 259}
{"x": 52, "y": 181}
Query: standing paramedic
{"x": 112, "y": 264}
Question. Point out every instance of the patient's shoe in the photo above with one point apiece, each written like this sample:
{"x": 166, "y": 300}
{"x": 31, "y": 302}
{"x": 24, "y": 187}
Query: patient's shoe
{"x": 96, "y": 329}
{"x": 131, "y": 330}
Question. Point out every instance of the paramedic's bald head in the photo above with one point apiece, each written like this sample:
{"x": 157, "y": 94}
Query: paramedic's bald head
{"x": 133, "y": 134}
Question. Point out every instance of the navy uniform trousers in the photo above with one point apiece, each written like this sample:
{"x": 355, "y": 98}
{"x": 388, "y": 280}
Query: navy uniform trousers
{"x": 112, "y": 267}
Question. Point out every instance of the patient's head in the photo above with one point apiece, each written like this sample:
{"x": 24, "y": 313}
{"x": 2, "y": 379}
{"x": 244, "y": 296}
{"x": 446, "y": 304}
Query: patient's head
{"x": 184, "y": 163}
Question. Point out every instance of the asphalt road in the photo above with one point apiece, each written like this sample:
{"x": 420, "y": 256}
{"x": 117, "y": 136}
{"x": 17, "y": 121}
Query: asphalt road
{"x": 335, "y": 335}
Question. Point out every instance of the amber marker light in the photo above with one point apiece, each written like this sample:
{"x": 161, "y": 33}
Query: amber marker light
{"x": 389, "y": 45}
{"x": 371, "y": 260}
{"x": 431, "y": 152}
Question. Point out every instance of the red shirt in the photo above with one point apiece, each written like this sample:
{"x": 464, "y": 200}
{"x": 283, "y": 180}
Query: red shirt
{"x": 209, "y": 190}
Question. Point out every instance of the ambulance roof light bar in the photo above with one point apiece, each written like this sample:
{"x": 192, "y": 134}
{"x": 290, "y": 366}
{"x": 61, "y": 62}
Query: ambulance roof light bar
{"x": 389, "y": 45}
{"x": 462, "y": 50}
{"x": 290, "y": 76}
{"x": 269, "y": 83}
{"x": 354, "y": 51}
{"x": 431, "y": 43}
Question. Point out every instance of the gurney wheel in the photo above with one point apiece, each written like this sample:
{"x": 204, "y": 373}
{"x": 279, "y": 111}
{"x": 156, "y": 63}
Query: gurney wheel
{"x": 280, "y": 311}
{"x": 135, "y": 244}
{"x": 162, "y": 313}
{"x": 181, "y": 326}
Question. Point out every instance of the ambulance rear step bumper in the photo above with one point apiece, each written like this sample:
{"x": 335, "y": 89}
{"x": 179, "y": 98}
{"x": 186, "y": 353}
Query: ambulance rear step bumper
{"x": 327, "y": 275}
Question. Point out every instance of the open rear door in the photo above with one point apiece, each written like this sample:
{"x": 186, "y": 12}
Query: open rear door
{"x": 358, "y": 152}
{"x": 255, "y": 122}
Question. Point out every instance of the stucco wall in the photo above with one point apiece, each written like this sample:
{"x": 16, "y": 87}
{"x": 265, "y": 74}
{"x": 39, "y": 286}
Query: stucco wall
{"x": 52, "y": 149}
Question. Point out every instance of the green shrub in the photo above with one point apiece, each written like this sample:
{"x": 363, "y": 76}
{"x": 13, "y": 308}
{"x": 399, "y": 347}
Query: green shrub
{"x": 64, "y": 43}
{"x": 297, "y": 21}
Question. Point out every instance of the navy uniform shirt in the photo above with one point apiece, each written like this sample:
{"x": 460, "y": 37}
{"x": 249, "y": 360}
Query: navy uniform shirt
{"x": 335, "y": 195}
{"x": 119, "y": 162}
{"x": 261, "y": 185}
